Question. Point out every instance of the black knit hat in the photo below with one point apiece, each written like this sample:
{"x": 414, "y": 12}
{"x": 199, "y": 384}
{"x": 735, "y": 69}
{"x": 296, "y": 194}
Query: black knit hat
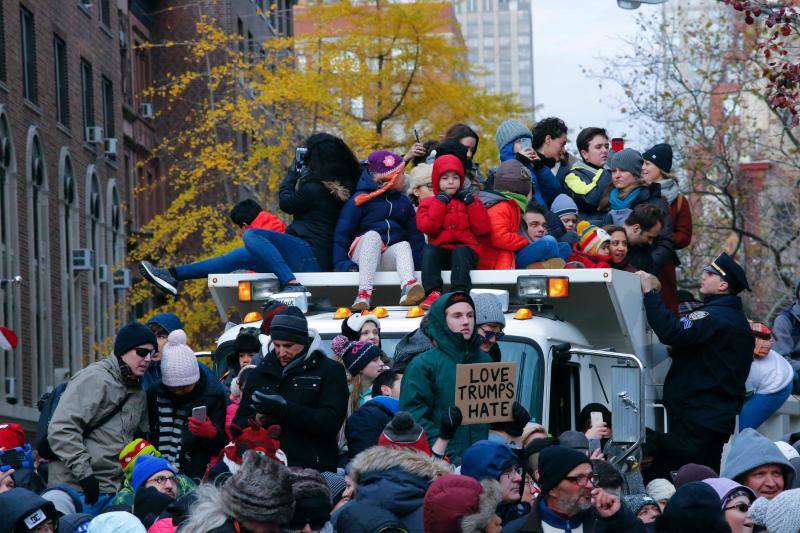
{"x": 358, "y": 355}
{"x": 457, "y": 298}
{"x": 247, "y": 342}
{"x": 132, "y": 335}
{"x": 290, "y": 325}
{"x": 660, "y": 155}
{"x": 245, "y": 212}
{"x": 555, "y": 462}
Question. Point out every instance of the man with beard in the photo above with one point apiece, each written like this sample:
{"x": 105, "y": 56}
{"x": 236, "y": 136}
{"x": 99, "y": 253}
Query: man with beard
{"x": 569, "y": 500}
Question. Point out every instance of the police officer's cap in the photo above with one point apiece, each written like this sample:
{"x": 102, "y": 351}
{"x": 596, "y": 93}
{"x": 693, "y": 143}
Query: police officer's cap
{"x": 730, "y": 271}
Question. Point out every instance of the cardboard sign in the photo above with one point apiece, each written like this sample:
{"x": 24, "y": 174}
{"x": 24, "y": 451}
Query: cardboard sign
{"x": 485, "y": 392}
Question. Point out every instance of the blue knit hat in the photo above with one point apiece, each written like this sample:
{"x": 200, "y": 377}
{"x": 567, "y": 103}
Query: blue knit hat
{"x": 487, "y": 459}
{"x": 509, "y": 131}
{"x": 146, "y": 466}
{"x": 564, "y": 205}
{"x": 169, "y": 321}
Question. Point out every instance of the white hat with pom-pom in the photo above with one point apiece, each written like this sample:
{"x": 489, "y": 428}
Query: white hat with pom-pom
{"x": 179, "y": 365}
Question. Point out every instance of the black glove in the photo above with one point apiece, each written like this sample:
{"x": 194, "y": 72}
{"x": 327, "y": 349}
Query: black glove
{"x": 465, "y": 196}
{"x": 91, "y": 489}
{"x": 451, "y": 421}
{"x": 443, "y": 197}
{"x": 268, "y": 404}
{"x": 521, "y": 418}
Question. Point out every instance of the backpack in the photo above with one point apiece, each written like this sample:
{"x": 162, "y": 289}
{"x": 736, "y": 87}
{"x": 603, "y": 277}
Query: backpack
{"x": 47, "y": 406}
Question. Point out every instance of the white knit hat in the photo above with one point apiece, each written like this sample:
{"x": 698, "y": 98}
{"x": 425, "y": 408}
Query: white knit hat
{"x": 780, "y": 514}
{"x": 179, "y": 365}
{"x": 660, "y": 489}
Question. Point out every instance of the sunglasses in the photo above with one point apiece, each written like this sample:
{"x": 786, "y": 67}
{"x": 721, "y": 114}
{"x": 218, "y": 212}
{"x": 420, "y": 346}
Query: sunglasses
{"x": 489, "y": 335}
{"x": 144, "y": 352}
{"x": 741, "y": 507}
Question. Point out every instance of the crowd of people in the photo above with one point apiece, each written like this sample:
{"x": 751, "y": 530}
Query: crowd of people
{"x": 287, "y": 436}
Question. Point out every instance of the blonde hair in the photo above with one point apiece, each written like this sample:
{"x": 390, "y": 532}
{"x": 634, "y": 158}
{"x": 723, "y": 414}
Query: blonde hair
{"x": 355, "y": 392}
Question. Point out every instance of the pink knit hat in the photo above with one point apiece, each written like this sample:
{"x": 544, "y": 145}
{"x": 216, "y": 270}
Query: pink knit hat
{"x": 179, "y": 365}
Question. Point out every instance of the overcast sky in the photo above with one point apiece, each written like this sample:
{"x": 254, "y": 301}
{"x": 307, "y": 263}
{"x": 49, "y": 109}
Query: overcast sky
{"x": 567, "y": 35}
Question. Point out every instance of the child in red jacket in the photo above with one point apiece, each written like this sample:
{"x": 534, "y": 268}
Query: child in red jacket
{"x": 451, "y": 218}
{"x": 592, "y": 249}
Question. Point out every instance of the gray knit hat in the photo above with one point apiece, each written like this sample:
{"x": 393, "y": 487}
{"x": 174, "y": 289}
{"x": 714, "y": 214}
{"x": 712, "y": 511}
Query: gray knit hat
{"x": 488, "y": 310}
{"x": 627, "y": 159}
{"x": 260, "y": 491}
{"x": 511, "y": 176}
{"x": 636, "y": 502}
{"x": 289, "y": 325}
{"x": 564, "y": 205}
{"x": 510, "y": 130}
{"x": 660, "y": 489}
{"x": 780, "y": 514}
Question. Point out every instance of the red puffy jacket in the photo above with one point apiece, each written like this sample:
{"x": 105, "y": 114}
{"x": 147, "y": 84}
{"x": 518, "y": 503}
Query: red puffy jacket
{"x": 501, "y": 244}
{"x": 266, "y": 220}
{"x": 589, "y": 260}
{"x": 452, "y": 224}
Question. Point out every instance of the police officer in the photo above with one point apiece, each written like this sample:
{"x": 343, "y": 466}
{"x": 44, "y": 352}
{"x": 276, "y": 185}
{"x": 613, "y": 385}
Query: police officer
{"x": 711, "y": 351}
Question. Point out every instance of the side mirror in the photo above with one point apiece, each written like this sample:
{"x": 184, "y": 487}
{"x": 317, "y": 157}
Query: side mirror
{"x": 561, "y": 353}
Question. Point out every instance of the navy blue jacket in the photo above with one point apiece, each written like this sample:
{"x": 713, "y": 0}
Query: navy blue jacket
{"x": 391, "y": 214}
{"x": 364, "y": 427}
{"x": 711, "y": 351}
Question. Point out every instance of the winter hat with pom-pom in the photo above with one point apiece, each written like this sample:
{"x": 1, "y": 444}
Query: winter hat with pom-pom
{"x": 339, "y": 344}
{"x": 403, "y": 432}
{"x": 591, "y": 237}
{"x": 179, "y": 365}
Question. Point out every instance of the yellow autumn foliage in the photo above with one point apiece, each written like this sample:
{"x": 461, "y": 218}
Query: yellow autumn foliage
{"x": 368, "y": 72}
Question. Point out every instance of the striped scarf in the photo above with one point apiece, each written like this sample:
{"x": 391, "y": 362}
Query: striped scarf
{"x": 171, "y": 421}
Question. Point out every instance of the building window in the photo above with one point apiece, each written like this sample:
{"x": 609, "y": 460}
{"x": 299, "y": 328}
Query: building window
{"x": 87, "y": 95}
{"x": 28, "y": 38}
{"x": 10, "y": 296}
{"x": 99, "y": 275}
{"x": 108, "y": 107}
{"x": 141, "y": 73}
{"x": 70, "y": 239}
{"x": 2, "y": 44}
{"x": 62, "y": 82}
{"x": 116, "y": 252}
{"x": 38, "y": 213}
{"x": 105, "y": 13}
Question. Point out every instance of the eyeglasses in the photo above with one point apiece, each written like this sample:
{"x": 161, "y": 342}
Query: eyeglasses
{"x": 144, "y": 352}
{"x": 162, "y": 480}
{"x": 513, "y": 470}
{"x": 741, "y": 507}
{"x": 582, "y": 479}
{"x": 489, "y": 335}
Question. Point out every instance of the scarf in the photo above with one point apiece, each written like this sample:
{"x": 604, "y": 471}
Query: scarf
{"x": 521, "y": 199}
{"x": 669, "y": 190}
{"x": 623, "y": 203}
{"x": 507, "y": 152}
{"x": 553, "y": 519}
{"x": 363, "y": 198}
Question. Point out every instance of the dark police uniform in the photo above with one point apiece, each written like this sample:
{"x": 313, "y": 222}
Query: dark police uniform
{"x": 711, "y": 351}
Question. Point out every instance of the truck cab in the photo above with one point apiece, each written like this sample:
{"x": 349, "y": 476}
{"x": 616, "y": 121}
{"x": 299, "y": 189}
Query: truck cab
{"x": 577, "y": 336}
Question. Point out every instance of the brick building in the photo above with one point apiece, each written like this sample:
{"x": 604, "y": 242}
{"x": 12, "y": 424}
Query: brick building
{"x": 73, "y": 126}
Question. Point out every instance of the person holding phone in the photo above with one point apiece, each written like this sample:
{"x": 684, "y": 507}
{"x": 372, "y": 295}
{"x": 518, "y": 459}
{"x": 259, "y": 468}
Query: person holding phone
{"x": 186, "y": 411}
{"x": 515, "y": 142}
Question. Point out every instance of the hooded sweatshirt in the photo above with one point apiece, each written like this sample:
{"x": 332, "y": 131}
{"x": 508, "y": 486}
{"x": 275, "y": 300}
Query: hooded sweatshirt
{"x": 430, "y": 380}
{"x": 786, "y": 332}
{"x": 750, "y": 450}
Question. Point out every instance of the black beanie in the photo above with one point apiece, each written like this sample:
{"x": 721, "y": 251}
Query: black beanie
{"x": 660, "y": 155}
{"x": 555, "y": 462}
{"x": 290, "y": 325}
{"x": 247, "y": 342}
{"x": 132, "y": 335}
{"x": 458, "y": 297}
{"x": 245, "y": 212}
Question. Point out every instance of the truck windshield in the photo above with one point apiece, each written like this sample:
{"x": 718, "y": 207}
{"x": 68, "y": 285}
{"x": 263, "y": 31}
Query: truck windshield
{"x": 524, "y": 352}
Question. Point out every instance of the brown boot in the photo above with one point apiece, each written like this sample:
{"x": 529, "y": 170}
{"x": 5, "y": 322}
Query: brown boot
{"x": 553, "y": 263}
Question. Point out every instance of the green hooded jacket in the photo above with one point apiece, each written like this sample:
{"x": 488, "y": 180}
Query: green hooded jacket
{"x": 429, "y": 383}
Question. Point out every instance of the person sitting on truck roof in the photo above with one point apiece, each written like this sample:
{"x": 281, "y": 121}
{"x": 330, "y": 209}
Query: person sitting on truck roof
{"x": 642, "y": 228}
{"x": 591, "y": 250}
{"x": 618, "y": 248}
{"x": 769, "y": 383}
{"x": 562, "y": 218}
{"x": 299, "y": 387}
{"x": 588, "y": 181}
{"x": 505, "y": 204}
{"x": 786, "y": 332}
{"x": 543, "y": 251}
{"x": 711, "y": 353}
{"x": 429, "y": 381}
{"x": 569, "y": 501}
{"x": 266, "y": 249}
{"x": 452, "y": 219}
{"x": 377, "y": 230}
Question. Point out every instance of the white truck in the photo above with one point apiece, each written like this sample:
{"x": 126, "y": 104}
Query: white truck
{"x": 577, "y": 336}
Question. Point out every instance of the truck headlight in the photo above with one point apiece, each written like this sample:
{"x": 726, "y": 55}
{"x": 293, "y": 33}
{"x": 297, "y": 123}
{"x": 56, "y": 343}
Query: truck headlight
{"x": 542, "y": 287}
{"x": 257, "y": 290}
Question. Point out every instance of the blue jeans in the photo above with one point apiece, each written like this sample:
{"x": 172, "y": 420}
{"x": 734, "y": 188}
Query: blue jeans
{"x": 264, "y": 251}
{"x": 545, "y": 248}
{"x": 98, "y": 507}
{"x": 759, "y": 407}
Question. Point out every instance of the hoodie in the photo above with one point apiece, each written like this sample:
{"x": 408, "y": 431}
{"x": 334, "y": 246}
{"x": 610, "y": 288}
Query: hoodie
{"x": 18, "y": 504}
{"x": 786, "y": 332}
{"x": 750, "y": 450}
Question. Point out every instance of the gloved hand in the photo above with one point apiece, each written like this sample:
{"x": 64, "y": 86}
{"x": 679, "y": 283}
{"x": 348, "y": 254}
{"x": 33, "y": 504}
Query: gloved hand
{"x": 268, "y": 404}
{"x": 521, "y": 418}
{"x": 465, "y": 196}
{"x": 205, "y": 429}
{"x": 443, "y": 197}
{"x": 451, "y": 421}
{"x": 91, "y": 489}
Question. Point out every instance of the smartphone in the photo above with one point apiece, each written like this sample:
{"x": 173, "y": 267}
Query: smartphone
{"x": 416, "y": 135}
{"x": 199, "y": 413}
{"x": 617, "y": 144}
{"x": 525, "y": 143}
{"x": 597, "y": 418}
{"x": 14, "y": 458}
{"x": 299, "y": 158}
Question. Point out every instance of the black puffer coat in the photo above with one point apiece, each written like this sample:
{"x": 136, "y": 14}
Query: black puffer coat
{"x": 315, "y": 206}
{"x": 315, "y": 389}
